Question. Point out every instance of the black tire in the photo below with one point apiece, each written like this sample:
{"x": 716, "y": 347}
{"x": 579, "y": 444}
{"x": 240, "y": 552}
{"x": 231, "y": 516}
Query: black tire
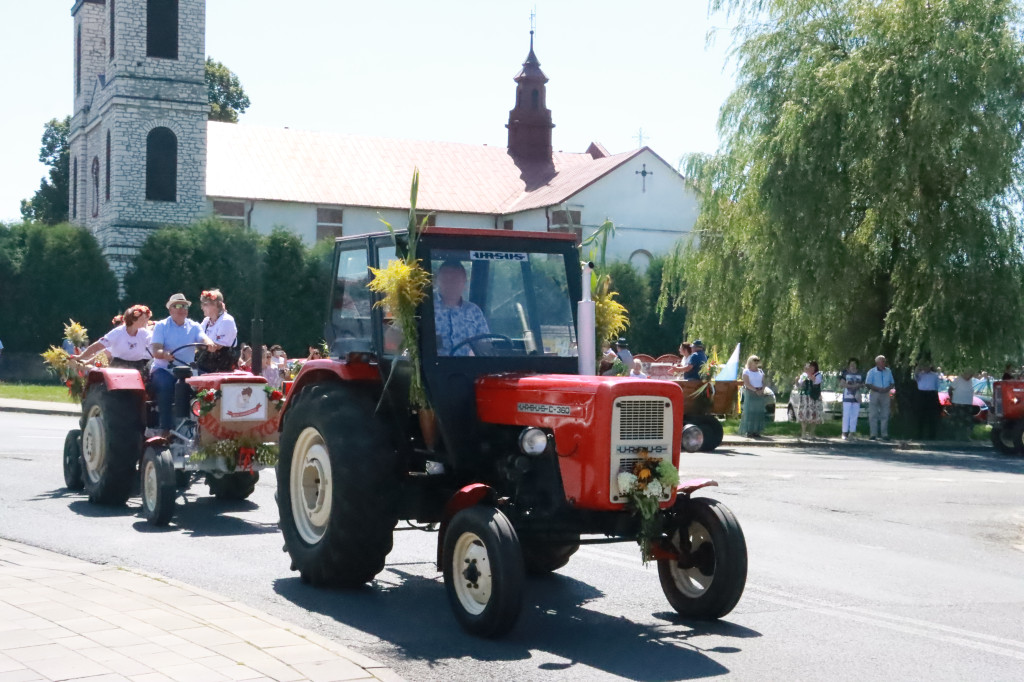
{"x": 1016, "y": 435}
{"x": 712, "y": 430}
{"x": 713, "y": 584}
{"x": 158, "y": 486}
{"x": 73, "y": 460}
{"x": 540, "y": 558}
{"x": 112, "y": 437}
{"x": 1002, "y": 439}
{"x": 236, "y": 486}
{"x": 335, "y": 452}
{"x": 483, "y": 571}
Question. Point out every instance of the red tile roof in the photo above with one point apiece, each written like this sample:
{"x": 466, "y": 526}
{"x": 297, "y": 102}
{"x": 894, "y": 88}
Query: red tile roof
{"x": 278, "y": 164}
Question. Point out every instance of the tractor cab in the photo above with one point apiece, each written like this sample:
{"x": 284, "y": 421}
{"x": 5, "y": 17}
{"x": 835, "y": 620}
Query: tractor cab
{"x": 507, "y": 307}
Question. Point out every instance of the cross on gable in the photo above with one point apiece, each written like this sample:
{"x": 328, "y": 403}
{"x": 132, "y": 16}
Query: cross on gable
{"x": 643, "y": 173}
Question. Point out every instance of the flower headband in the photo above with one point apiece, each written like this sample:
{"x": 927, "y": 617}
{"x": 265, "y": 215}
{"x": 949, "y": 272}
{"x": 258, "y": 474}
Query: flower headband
{"x": 211, "y": 295}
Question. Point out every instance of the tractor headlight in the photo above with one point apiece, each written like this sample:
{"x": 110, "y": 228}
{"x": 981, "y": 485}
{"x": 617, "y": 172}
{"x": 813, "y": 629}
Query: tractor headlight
{"x": 533, "y": 441}
{"x": 693, "y": 438}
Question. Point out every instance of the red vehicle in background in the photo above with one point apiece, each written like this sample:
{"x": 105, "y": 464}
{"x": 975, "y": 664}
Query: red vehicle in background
{"x": 1008, "y": 416}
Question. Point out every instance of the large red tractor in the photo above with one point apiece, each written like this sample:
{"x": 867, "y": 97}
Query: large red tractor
{"x": 520, "y": 461}
{"x": 1007, "y": 417}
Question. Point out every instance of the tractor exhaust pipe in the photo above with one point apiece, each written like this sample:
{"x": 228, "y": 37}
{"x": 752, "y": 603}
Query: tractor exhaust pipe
{"x": 587, "y": 327}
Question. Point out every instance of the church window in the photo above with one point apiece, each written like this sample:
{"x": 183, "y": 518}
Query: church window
{"x": 329, "y": 223}
{"x": 230, "y": 212}
{"x": 507, "y": 225}
{"x": 112, "y": 25}
{"x": 78, "y": 62}
{"x": 162, "y": 29}
{"x": 431, "y": 218}
{"x": 535, "y": 98}
{"x": 107, "y": 170}
{"x": 95, "y": 186}
{"x": 567, "y": 220}
{"x": 74, "y": 189}
{"x": 161, "y": 165}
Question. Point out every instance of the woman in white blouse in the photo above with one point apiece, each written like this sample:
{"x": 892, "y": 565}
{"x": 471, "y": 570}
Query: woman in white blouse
{"x": 752, "y": 416}
{"x": 128, "y": 343}
{"x": 220, "y": 326}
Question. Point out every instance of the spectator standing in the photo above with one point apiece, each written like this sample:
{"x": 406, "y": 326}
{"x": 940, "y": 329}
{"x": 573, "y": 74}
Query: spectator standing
{"x": 752, "y": 417}
{"x": 961, "y": 397}
{"x": 851, "y": 382}
{"x": 810, "y": 410}
{"x": 927, "y": 408}
{"x": 879, "y": 381}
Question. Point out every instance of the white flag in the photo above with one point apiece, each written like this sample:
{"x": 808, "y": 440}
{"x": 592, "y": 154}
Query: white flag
{"x": 731, "y": 369}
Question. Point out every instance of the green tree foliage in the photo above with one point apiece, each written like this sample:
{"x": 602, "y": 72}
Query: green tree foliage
{"x": 227, "y": 98}
{"x": 289, "y": 282}
{"x": 47, "y": 275}
{"x": 49, "y": 205}
{"x": 866, "y": 196}
{"x": 638, "y": 292}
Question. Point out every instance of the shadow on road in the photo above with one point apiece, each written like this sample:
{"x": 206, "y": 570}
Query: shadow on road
{"x": 210, "y": 517}
{"x": 412, "y": 613}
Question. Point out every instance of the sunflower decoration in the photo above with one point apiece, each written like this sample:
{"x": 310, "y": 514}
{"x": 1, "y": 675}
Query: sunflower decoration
{"x": 645, "y": 486}
{"x": 76, "y": 334}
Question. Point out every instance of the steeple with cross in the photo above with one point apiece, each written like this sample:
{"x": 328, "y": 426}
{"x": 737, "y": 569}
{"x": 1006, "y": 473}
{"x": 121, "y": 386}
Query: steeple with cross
{"x": 529, "y": 123}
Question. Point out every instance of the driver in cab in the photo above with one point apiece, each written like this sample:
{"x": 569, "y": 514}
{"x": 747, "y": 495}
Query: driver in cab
{"x": 455, "y": 320}
{"x": 168, "y": 335}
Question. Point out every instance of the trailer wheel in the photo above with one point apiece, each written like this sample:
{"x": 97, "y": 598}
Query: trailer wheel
{"x": 73, "y": 460}
{"x": 112, "y": 431}
{"x": 483, "y": 571}
{"x": 708, "y": 583}
{"x": 237, "y": 486}
{"x": 712, "y": 429}
{"x": 335, "y": 480}
{"x": 540, "y": 558}
{"x": 158, "y": 486}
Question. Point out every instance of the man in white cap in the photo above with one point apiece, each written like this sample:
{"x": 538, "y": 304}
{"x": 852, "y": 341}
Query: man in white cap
{"x": 169, "y": 335}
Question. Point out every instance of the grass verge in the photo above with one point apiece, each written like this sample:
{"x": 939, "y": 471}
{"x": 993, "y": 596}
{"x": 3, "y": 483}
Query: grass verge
{"x": 54, "y": 393}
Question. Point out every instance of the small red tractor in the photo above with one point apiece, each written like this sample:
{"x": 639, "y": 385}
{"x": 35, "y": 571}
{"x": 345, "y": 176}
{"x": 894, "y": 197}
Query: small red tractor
{"x": 521, "y": 458}
{"x": 1007, "y": 417}
{"x": 225, "y": 428}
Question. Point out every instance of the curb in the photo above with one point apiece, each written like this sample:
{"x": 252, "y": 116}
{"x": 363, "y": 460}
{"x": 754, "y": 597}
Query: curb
{"x": 857, "y": 443}
{"x": 41, "y": 410}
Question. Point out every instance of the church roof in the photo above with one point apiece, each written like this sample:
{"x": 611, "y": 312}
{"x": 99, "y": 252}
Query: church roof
{"x": 279, "y": 164}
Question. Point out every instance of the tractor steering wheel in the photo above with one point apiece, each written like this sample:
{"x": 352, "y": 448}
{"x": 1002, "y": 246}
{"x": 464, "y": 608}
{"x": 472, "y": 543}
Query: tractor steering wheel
{"x": 173, "y": 360}
{"x": 471, "y": 342}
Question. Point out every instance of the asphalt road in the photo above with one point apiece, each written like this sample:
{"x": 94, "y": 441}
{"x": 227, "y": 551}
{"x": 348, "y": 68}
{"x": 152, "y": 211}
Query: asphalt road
{"x": 864, "y": 564}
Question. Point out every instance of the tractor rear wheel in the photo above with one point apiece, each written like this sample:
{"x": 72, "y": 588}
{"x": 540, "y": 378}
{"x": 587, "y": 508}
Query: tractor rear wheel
{"x": 336, "y": 475}
{"x": 236, "y": 486}
{"x": 483, "y": 571}
{"x": 73, "y": 460}
{"x": 112, "y": 431}
{"x": 708, "y": 579}
{"x": 539, "y": 558}
{"x": 1002, "y": 439}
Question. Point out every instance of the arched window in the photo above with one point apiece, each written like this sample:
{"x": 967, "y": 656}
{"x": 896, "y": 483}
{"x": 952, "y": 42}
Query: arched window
{"x": 535, "y": 98}
{"x": 112, "y": 26}
{"x": 107, "y": 169}
{"x": 95, "y": 186}
{"x": 74, "y": 189}
{"x": 162, "y": 29}
{"x": 161, "y": 165}
{"x": 78, "y": 62}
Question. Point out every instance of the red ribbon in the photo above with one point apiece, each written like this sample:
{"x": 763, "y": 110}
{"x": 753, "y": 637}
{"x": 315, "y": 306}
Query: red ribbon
{"x": 245, "y": 457}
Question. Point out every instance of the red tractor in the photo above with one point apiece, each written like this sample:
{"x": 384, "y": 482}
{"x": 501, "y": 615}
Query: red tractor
{"x": 225, "y": 429}
{"x": 1007, "y": 417}
{"x": 522, "y": 456}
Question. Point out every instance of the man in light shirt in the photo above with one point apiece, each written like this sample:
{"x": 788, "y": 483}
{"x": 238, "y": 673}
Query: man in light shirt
{"x": 879, "y": 382}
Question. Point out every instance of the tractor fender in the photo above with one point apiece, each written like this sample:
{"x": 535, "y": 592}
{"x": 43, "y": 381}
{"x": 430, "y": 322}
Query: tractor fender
{"x": 469, "y": 496}
{"x": 117, "y": 379}
{"x": 662, "y": 551}
{"x": 323, "y": 371}
{"x": 686, "y": 488}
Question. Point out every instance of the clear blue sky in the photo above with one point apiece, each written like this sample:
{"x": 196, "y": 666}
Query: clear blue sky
{"x": 410, "y": 69}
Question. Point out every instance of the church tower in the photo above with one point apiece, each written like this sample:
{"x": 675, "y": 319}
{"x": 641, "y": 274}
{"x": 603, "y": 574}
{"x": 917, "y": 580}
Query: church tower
{"x": 138, "y": 132}
{"x": 529, "y": 123}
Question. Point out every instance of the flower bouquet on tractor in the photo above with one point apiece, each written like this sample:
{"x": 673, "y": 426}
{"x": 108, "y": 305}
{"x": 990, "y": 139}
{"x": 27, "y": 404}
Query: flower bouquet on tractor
{"x": 225, "y": 428}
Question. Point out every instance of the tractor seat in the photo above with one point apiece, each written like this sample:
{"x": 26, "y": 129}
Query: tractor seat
{"x": 181, "y": 372}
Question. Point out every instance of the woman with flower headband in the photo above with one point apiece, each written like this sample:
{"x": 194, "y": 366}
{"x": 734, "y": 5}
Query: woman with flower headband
{"x": 220, "y": 326}
{"x": 127, "y": 343}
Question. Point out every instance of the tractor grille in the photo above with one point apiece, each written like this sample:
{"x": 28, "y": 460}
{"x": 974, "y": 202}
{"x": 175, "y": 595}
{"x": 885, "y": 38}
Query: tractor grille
{"x": 642, "y": 419}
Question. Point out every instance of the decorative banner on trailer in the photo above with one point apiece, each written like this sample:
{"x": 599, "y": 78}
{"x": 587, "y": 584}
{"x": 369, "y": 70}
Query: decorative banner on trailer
{"x": 243, "y": 402}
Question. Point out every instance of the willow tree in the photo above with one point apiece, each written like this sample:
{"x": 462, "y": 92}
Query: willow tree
{"x": 866, "y": 196}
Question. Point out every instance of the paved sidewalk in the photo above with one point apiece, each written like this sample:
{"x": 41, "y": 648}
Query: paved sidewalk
{"x": 66, "y": 619}
{"x": 40, "y": 407}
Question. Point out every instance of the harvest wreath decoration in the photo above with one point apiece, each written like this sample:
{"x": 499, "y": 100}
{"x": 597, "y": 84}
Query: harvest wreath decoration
{"x": 240, "y": 454}
{"x": 650, "y": 479}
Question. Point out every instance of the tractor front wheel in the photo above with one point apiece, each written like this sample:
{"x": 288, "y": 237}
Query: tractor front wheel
{"x": 336, "y": 477}
{"x": 112, "y": 430}
{"x": 237, "y": 486}
{"x": 158, "y": 486}
{"x": 73, "y": 460}
{"x": 707, "y": 579}
{"x": 483, "y": 571}
{"x": 1002, "y": 438}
